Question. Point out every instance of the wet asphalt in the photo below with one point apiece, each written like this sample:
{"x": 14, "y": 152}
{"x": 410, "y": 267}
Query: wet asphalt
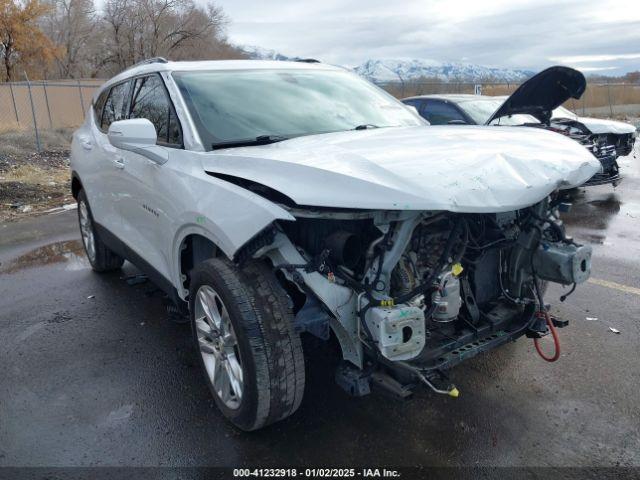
{"x": 94, "y": 372}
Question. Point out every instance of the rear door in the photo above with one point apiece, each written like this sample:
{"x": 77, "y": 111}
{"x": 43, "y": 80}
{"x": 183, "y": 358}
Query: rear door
{"x": 104, "y": 179}
{"x": 147, "y": 212}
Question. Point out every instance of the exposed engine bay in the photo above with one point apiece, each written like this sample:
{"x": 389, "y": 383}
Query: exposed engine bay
{"x": 418, "y": 292}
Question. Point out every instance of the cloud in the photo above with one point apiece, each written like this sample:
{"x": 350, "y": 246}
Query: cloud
{"x": 529, "y": 34}
{"x": 596, "y": 58}
{"x": 593, "y": 69}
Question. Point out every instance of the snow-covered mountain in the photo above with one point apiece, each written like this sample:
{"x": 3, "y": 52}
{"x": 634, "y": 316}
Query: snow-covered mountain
{"x": 259, "y": 53}
{"x": 391, "y": 70}
{"x": 404, "y": 70}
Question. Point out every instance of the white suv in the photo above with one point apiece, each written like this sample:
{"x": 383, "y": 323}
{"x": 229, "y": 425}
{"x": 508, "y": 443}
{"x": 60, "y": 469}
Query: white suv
{"x": 275, "y": 198}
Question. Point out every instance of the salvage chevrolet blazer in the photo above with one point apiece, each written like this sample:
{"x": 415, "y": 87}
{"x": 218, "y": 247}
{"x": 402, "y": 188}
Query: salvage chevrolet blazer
{"x": 276, "y": 198}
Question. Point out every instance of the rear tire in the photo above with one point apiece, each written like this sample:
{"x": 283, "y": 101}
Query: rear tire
{"x": 102, "y": 258}
{"x": 243, "y": 317}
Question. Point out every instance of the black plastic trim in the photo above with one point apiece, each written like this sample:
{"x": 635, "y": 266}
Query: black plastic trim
{"x": 264, "y": 191}
{"x": 603, "y": 179}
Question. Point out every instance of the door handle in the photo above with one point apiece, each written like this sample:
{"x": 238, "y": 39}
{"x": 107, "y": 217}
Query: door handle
{"x": 118, "y": 161}
{"x": 86, "y": 143}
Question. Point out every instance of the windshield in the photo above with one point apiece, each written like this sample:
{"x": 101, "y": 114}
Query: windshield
{"x": 230, "y": 106}
{"x": 481, "y": 110}
{"x": 562, "y": 112}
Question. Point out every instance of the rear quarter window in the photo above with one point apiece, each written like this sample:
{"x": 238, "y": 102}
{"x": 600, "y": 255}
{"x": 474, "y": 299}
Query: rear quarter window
{"x": 98, "y": 105}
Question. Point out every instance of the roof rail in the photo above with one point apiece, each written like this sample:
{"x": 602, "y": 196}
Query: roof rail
{"x": 148, "y": 61}
{"x": 307, "y": 60}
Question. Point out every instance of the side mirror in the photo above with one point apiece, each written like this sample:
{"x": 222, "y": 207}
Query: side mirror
{"x": 133, "y": 133}
{"x": 137, "y": 135}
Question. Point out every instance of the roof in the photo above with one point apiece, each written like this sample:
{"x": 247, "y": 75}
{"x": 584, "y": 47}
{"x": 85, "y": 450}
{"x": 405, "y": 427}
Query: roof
{"x": 213, "y": 65}
{"x": 457, "y": 97}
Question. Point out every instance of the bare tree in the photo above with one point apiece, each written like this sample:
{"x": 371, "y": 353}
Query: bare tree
{"x": 178, "y": 29}
{"x": 71, "y": 25}
{"x": 86, "y": 42}
{"x": 119, "y": 23}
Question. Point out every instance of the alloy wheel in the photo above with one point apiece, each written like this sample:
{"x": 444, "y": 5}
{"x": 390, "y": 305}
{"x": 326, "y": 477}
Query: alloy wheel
{"x": 218, "y": 347}
{"x": 86, "y": 231}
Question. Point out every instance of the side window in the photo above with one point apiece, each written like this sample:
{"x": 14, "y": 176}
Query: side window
{"x": 115, "y": 105}
{"x": 150, "y": 100}
{"x": 439, "y": 113}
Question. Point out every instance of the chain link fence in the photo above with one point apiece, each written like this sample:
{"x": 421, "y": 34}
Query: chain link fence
{"x": 34, "y": 107}
{"x": 40, "y": 106}
{"x": 600, "y": 99}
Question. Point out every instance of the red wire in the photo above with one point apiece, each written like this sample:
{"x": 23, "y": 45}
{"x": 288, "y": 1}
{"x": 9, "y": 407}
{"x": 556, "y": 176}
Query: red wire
{"x": 556, "y": 340}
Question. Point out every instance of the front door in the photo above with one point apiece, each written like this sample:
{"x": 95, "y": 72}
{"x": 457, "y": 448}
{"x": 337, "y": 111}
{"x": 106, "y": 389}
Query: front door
{"x": 147, "y": 212}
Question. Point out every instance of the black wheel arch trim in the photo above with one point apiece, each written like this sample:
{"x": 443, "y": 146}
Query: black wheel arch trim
{"x": 122, "y": 249}
{"x": 75, "y": 180}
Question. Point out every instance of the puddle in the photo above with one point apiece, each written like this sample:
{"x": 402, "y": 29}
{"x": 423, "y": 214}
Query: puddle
{"x": 591, "y": 216}
{"x": 593, "y": 238}
{"x": 70, "y": 252}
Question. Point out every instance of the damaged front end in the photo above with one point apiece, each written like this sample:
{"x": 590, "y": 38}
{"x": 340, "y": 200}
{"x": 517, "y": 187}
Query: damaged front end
{"x": 545, "y": 92}
{"x": 605, "y": 147}
{"x": 410, "y": 294}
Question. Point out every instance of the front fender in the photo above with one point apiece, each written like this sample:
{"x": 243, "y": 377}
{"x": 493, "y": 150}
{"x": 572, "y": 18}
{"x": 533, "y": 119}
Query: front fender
{"x": 229, "y": 216}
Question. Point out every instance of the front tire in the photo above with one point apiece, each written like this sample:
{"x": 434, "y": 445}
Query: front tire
{"x": 101, "y": 257}
{"x": 242, "y": 326}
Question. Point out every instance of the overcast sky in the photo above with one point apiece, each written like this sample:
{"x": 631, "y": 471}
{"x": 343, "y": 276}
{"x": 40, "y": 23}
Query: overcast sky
{"x": 596, "y": 36}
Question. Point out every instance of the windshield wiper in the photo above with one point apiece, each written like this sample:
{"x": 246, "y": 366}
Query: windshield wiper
{"x": 366, "y": 126}
{"x": 249, "y": 142}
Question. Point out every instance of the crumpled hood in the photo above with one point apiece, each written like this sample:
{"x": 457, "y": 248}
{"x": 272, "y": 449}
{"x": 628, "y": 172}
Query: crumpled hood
{"x": 601, "y": 125}
{"x": 453, "y": 168}
{"x": 542, "y": 93}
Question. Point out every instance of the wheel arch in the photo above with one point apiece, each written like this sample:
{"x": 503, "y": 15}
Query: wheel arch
{"x": 193, "y": 246}
{"x": 76, "y": 184}
{"x": 195, "y": 243}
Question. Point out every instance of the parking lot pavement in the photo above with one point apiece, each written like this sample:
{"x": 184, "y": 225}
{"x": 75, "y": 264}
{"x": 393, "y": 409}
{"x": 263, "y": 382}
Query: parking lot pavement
{"x": 93, "y": 372}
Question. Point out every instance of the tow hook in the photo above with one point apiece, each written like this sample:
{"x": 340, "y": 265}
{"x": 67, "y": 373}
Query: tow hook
{"x": 451, "y": 390}
{"x": 539, "y": 329}
{"x": 559, "y": 323}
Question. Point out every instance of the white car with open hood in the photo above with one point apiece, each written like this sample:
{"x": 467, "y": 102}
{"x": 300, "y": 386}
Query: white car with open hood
{"x": 537, "y": 103}
{"x": 272, "y": 199}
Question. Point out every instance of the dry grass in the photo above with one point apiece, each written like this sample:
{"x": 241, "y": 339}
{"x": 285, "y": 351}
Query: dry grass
{"x": 18, "y": 142}
{"x": 594, "y": 96}
{"x": 35, "y": 175}
{"x": 6, "y": 128}
{"x": 604, "y": 95}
